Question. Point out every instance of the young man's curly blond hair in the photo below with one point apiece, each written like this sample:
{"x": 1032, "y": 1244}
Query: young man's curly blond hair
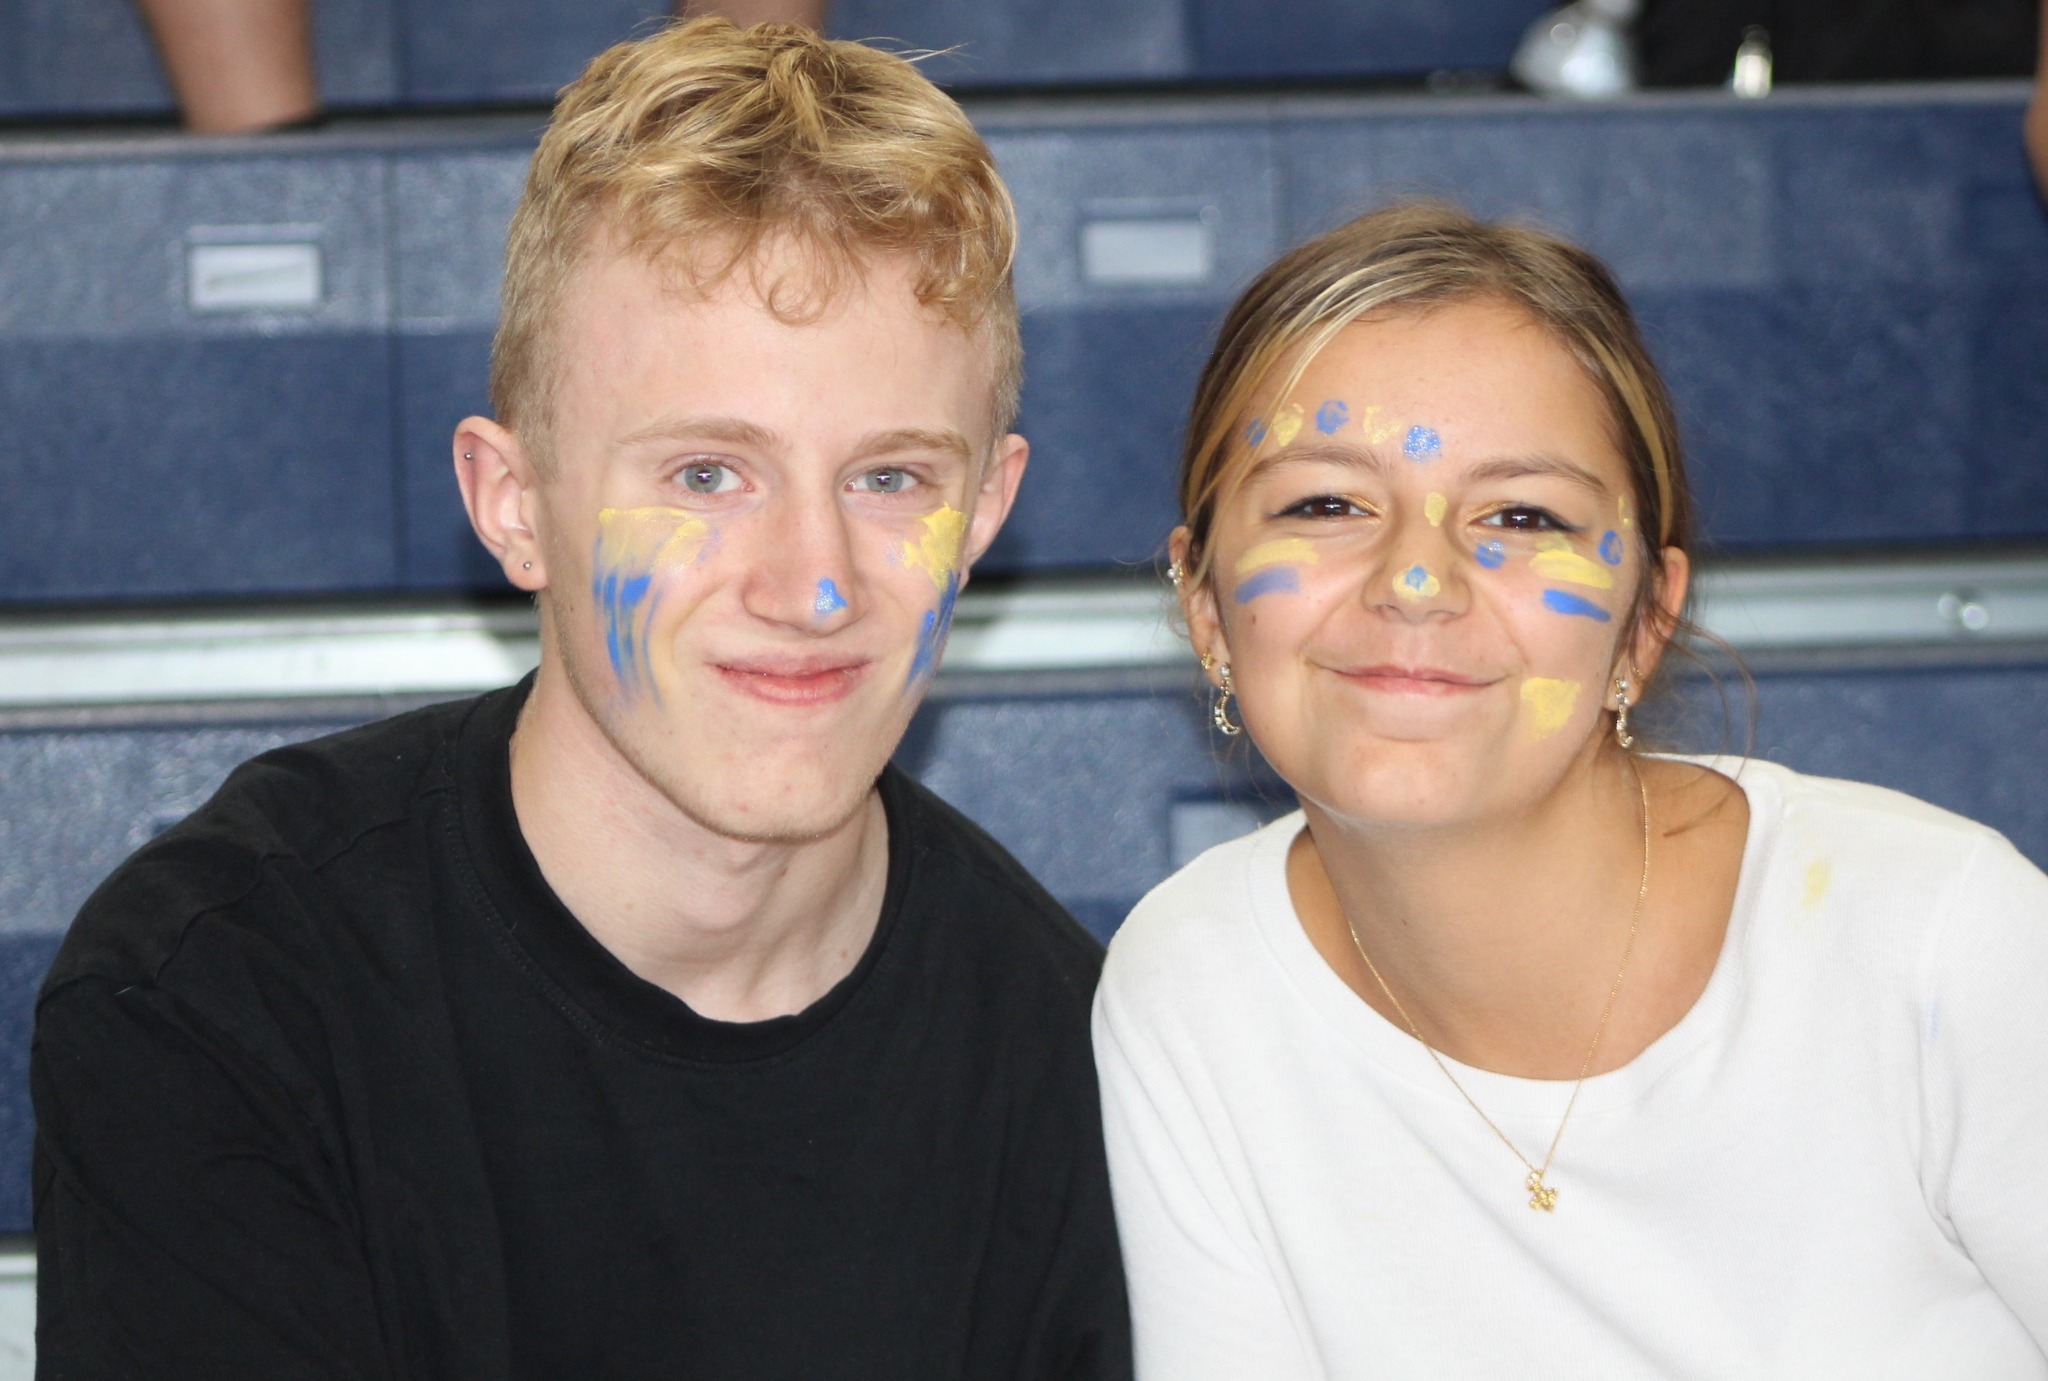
{"x": 700, "y": 144}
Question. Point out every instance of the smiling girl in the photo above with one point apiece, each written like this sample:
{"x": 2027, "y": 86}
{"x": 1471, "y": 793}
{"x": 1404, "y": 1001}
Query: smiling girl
{"x": 1517, "y": 1051}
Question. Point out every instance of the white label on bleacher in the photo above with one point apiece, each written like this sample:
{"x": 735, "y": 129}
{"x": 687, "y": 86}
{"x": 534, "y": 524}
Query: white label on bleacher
{"x": 1148, "y": 252}
{"x": 253, "y": 278}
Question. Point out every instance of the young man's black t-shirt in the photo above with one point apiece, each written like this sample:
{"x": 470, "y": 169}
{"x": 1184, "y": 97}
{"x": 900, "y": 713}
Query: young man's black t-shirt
{"x": 329, "y": 1084}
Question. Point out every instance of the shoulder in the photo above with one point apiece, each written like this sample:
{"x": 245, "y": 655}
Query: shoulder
{"x": 256, "y": 852}
{"x": 1888, "y": 843}
{"x": 990, "y": 903}
{"x": 1192, "y": 939}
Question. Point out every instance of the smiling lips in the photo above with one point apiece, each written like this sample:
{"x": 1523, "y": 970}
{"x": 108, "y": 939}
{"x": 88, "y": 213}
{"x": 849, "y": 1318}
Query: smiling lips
{"x": 793, "y": 680}
{"x": 1399, "y": 680}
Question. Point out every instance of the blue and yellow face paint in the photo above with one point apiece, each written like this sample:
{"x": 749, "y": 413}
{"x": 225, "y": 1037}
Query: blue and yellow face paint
{"x": 1417, "y": 583}
{"x": 635, "y": 551}
{"x": 1272, "y": 568}
{"x": 936, "y": 552}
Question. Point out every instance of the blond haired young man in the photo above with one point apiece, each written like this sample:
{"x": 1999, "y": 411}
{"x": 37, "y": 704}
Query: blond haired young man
{"x": 639, "y": 1020}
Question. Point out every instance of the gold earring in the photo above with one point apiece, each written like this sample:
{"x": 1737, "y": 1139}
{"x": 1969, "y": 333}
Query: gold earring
{"x": 1622, "y": 736}
{"x": 1176, "y": 572}
{"x": 1219, "y": 713}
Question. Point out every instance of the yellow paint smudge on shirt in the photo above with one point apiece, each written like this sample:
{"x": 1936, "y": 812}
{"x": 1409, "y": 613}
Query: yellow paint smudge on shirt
{"x": 1572, "y": 569}
{"x": 1286, "y": 424}
{"x": 1550, "y": 704}
{"x": 1434, "y": 507}
{"x": 937, "y": 552}
{"x": 1286, "y": 551}
{"x": 1820, "y": 875}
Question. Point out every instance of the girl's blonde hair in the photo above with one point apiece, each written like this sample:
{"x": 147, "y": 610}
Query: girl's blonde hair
{"x": 698, "y": 145}
{"x": 1412, "y": 258}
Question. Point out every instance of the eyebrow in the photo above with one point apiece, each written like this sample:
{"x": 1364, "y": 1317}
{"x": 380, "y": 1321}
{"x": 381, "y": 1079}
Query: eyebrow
{"x": 1366, "y": 458}
{"x": 736, "y": 430}
{"x": 1319, "y": 453}
{"x": 1541, "y": 463}
{"x": 740, "y": 432}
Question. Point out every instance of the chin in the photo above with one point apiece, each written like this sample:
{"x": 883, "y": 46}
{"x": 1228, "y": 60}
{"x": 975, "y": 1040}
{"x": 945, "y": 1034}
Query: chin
{"x": 768, "y": 807}
{"x": 1393, "y": 785}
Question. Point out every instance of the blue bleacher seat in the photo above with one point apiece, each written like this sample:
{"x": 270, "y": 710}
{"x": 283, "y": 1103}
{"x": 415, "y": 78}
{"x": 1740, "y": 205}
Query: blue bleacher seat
{"x": 1849, "y": 289}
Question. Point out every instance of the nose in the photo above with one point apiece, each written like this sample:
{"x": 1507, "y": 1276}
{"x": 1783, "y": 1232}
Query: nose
{"x": 802, "y": 569}
{"x": 1420, "y": 574}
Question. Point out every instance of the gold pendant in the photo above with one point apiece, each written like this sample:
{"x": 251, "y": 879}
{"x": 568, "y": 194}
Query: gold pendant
{"x": 1541, "y": 1195}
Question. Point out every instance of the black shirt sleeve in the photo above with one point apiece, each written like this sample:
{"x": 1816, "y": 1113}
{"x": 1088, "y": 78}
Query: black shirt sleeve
{"x": 190, "y": 1220}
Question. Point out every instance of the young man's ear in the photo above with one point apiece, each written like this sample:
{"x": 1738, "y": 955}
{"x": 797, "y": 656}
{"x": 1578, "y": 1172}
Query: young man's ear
{"x": 501, "y": 491}
{"x": 998, "y": 490}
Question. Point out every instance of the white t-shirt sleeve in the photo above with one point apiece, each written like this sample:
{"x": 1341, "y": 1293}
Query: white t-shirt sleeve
{"x": 1204, "y": 1304}
{"x": 1984, "y": 1044}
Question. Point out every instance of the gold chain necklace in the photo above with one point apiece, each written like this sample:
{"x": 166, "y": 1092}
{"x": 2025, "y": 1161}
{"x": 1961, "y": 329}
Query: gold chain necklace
{"x": 1541, "y": 1195}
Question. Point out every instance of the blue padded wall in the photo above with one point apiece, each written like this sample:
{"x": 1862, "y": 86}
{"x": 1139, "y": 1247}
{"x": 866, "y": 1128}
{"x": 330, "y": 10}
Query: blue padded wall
{"x": 150, "y": 449}
{"x": 1849, "y": 291}
{"x": 1328, "y": 38}
{"x": 1850, "y": 298}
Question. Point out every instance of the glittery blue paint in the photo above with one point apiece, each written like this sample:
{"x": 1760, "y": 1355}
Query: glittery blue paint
{"x": 1565, "y": 603}
{"x": 1610, "y": 548}
{"x": 1273, "y": 580}
{"x": 1423, "y": 445}
{"x": 625, "y": 600}
{"x": 829, "y": 600}
{"x": 1491, "y": 555}
{"x": 931, "y": 639}
{"x": 1331, "y": 416}
{"x": 1416, "y": 578}
{"x": 1255, "y": 434}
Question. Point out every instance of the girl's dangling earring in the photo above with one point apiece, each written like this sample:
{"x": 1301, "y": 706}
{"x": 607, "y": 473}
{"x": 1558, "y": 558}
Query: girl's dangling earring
{"x": 1622, "y": 736}
{"x": 1219, "y": 712}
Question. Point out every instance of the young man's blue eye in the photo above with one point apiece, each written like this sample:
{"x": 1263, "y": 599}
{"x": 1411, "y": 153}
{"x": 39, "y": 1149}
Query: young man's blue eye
{"x": 705, "y": 479}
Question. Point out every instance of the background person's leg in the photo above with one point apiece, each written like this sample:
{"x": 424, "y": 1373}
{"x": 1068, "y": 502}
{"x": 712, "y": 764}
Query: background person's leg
{"x": 746, "y": 12}
{"x": 236, "y": 65}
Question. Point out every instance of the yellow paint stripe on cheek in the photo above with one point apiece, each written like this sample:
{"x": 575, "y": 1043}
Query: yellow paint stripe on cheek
{"x": 1572, "y": 569}
{"x": 645, "y": 538}
{"x": 1549, "y": 704}
{"x": 1290, "y": 551}
{"x": 937, "y": 552}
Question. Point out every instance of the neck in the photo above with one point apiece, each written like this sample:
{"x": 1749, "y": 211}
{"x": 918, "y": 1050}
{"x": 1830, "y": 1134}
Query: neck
{"x": 1501, "y": 939}
{"x": 740, "y": 930}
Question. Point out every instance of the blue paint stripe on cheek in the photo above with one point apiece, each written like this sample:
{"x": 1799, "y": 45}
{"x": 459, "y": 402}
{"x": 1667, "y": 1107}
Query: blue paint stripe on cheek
{"x": 1610, "y": 548}
{"x": 931, "y": 638}
{"x": 1491, "y": 555}
{"x": 1273, "y": 580}
{"x": 1564, "y": 603}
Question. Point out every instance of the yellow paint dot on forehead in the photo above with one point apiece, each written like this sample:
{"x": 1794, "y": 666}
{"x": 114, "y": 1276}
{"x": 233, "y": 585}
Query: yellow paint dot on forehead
{"x": 1434, "y": 507}
{"x": 1287, "y": 550}
{"x": 1549, "y": 703}
{"x": 1286, "y": 424}
{"x": 1572, "y": 569}
{"x": 937, "y": 552}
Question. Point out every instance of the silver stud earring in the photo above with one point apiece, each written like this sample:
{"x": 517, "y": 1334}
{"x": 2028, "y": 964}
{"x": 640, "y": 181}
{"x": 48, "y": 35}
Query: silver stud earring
{"x": 526, "y": 565}
{"x": 1219, "y": 712}
{"x": 1622, "y": 736}
{"x": 1177, "y": 573}
{"x": 469, "y": 455}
